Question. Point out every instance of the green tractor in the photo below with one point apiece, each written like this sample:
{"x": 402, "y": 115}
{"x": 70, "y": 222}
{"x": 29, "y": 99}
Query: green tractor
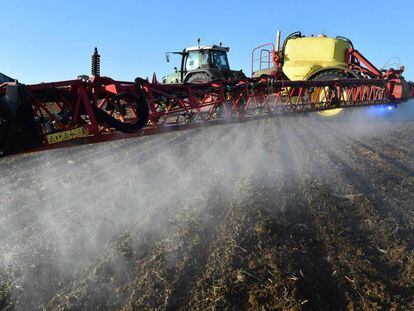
{"x": 202, "y": 64}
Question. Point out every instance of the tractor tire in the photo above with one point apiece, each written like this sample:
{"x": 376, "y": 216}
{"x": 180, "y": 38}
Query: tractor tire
{"x": 198, "y": 78}
{"x": 136, "y": 101}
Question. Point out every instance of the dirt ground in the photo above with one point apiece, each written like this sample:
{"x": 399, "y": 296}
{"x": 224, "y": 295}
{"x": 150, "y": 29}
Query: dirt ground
{"x": 292, "y": 213}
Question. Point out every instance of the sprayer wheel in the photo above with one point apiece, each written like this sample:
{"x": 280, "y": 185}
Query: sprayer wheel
{"x": 326, "y": 76}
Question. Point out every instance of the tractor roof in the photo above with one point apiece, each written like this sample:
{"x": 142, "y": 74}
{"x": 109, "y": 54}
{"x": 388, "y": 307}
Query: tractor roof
{"x": 208, "y": 47}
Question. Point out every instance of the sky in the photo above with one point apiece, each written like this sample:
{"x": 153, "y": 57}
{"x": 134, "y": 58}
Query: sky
{"x": 49, "y": 40}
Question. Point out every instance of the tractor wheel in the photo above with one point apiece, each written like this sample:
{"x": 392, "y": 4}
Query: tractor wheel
{"x": 198, "y": 78}
{"x": 125, "y": 112}
{"x": 327, "y": 76}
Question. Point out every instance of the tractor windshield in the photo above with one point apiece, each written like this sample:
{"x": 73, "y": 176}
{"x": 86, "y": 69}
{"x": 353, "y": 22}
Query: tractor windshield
{"x": 193, "y": 60}
{"x": 196, "y": 59}
{"x": 205, "y": 59}
{"x": 220, "y": 60}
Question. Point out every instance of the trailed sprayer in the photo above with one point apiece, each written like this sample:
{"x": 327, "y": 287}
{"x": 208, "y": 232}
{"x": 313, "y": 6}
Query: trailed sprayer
{"x": 302, "y": 74}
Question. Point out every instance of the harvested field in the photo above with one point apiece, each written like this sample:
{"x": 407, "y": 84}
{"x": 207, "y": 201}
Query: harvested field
{"x": 289, "y": 213}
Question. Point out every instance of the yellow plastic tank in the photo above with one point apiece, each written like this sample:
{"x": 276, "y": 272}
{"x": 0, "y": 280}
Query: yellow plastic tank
{"x": 304, "y": 56}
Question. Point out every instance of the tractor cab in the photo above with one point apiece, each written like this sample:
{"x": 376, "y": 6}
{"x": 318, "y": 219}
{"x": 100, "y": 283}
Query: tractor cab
{"x": 206, "y": 57}
{"x": 202, "y": 64}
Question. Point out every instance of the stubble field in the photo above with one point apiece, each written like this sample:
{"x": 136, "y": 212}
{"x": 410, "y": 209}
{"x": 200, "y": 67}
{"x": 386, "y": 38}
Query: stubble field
{"x": 293, "y": 212}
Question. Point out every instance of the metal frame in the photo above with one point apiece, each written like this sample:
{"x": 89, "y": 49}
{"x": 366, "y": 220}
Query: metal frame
{"x": 233, "y": 100}
{"x": 262, "y": 59}
{"x": 85, "y": 95}
{"x": 172, "y": 105}
{"x": 181, "y": 104}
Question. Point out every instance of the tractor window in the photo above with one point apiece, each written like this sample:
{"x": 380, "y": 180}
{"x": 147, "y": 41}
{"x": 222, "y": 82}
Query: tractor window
{"x": 205, "y": 57}
{"x": 220, "y": 60}
{"x": 193, "y": 60}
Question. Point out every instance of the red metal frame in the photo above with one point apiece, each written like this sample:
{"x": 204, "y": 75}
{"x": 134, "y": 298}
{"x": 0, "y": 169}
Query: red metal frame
{"x": 85, "y": 95}
{"x": 354, "y": 60}
{"x": 180, "y": 104}
{"x": 172, "y": 105}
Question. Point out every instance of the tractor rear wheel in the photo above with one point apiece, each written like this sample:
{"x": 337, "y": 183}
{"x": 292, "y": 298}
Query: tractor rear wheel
{"x": 198, "y": 78}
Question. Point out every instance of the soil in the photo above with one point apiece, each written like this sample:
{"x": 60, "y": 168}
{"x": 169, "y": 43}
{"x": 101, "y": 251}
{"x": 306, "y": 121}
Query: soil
{"x": 296, "y": 212}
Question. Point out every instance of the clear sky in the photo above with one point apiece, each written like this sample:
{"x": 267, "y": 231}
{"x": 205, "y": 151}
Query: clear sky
{"x": 50, "y": 40}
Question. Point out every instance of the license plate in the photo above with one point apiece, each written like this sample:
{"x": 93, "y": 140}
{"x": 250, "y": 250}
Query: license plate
{"x": 66, "y": 135}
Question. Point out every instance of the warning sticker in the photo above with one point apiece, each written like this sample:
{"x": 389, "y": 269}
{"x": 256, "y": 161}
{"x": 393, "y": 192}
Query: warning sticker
{"x": 66, "y": 135}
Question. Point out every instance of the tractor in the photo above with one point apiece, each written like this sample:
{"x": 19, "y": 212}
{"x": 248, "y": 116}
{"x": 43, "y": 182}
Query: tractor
{"x": 202, "y": 64}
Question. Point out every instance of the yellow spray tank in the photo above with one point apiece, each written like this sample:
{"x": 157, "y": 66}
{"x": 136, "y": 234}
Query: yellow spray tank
{"x": 304, "y": 57}
{"x": 315, "y": 58}
{"x": 311, "y": 58}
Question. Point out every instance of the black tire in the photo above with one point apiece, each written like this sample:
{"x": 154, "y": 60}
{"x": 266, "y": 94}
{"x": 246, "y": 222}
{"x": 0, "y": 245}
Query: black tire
{"x": 5, "y": 114}
{"x": 330, "y": 75}
{"x": 238, "y": 75}
{"x": 198, "y": 78}
{"x": 137, "y": 101}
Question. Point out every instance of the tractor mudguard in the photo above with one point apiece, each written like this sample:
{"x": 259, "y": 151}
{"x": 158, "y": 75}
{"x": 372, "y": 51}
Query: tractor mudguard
{"x": 18, "y": 131}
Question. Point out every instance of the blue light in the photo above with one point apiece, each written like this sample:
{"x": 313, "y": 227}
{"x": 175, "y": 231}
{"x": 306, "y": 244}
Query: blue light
{"x": 381, "y": 110}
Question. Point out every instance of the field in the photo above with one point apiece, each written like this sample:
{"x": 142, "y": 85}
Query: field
{"x": 288, "y": 213}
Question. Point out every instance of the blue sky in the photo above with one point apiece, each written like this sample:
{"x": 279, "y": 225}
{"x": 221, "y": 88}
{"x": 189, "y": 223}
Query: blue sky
{"x": 53, "y": 40}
